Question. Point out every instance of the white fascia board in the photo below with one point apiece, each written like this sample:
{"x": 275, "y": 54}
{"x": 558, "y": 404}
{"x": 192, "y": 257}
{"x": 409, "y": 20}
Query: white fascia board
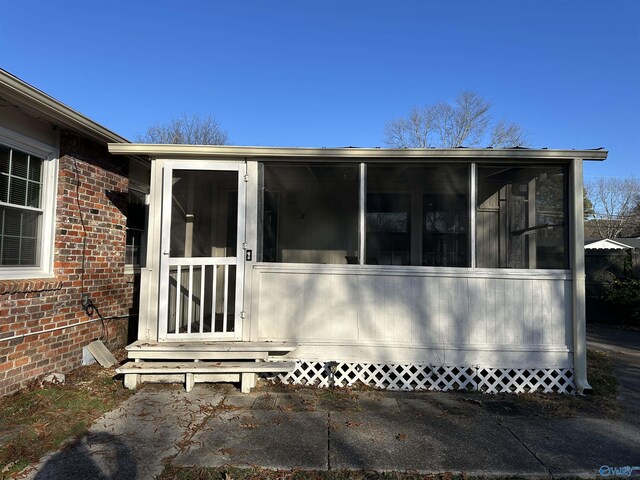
{"x": 29, "y": 97}
{"x": 170, "y": 151}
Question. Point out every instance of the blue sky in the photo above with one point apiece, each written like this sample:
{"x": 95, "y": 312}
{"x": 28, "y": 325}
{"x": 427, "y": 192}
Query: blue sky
{"x": 332, "y": 73}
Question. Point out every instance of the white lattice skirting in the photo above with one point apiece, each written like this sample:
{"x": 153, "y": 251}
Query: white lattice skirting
{"x": 430, "y": 377}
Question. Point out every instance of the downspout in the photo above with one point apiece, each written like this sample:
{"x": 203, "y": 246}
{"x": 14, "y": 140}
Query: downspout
{"x": 577, "y": 266}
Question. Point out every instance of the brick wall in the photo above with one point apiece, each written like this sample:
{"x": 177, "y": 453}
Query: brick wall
{"x": 89, "y": 257}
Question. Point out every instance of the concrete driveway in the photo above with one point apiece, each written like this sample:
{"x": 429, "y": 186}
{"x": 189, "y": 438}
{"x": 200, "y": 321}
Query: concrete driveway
{"x": 623, "y": 346}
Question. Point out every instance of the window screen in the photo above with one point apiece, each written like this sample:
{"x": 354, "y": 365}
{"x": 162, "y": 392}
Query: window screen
{"x": 310, "y": 213}
{"x": 521, "y": 217}
{"x": 417, "y": 215}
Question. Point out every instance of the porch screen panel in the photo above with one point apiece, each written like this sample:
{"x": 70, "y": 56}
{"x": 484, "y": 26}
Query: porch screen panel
{"x": 417, "y": 215}
{"x": 521, "y": 217}
{"x": 310, "y": 213}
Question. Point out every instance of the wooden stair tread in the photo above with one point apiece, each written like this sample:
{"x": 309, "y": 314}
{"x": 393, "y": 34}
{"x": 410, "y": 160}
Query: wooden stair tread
{"x": 144, "y": 345}
{"x": 204, "y": 367}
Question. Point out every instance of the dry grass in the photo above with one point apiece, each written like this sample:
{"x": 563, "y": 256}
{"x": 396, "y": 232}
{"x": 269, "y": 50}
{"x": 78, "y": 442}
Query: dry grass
{"x": 601, "y": 402}
{"x": 42, "y": 417}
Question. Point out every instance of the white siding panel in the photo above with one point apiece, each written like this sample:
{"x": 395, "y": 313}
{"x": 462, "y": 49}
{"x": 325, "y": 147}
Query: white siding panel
{"x": 431, "y": 315}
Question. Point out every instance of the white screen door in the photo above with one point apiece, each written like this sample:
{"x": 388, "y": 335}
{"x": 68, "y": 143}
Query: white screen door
{"x": 202, "y": 256}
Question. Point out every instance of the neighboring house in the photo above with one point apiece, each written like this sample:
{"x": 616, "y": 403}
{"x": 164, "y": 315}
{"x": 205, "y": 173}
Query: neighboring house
{"x": 607, "y": 260}
{"x": 399, "y": 268}
{"x": 612, "y": 243}
{"x": 63, "y": 230}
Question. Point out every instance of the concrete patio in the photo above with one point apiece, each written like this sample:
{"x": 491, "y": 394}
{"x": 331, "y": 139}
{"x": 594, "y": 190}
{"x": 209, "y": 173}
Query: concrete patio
{"x": 280, "y": 428}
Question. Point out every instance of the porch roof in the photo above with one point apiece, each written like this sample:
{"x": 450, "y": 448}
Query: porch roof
{"x": 170, "y": 151}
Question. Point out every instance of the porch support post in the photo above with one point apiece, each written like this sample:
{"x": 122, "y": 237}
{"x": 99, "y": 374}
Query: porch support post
{"x": 576, "y": 240}
{"x": 473, "y": 174}
{"x": 253, "y": 225}
{"x": 148, "y": 320}
{"x": 361, "y": 214}
{"x": 131, "y": 381}
{"x": 247, "y": 382}
{"x": 189, "y": 381}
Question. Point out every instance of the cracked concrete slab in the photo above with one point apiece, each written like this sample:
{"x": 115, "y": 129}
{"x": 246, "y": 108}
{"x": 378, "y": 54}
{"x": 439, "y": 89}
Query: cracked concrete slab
{"x": 131, "y": 441}
{"x": 265, "y": 438}
{"x": 428, "y": 443}
{"x": 578, "y": 446}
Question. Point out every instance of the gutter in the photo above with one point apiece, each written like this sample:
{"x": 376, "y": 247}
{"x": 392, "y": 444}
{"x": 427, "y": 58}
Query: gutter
{"x": 225, "y": 151}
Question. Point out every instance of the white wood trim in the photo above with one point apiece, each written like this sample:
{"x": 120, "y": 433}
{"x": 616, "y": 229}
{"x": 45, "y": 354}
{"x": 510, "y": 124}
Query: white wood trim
{"x": 393, "y": 270}
{"x": 249, "y": 152}
{"x": 576, "y": 235}
{"x": 208, "y": 346}
{"x": 207, "y": 336}
{"x": 473, "y": 201}
{"x": 225, "y": 297}
{"x": 48, "y": 204}
{"x": 251, "y": 238}
{"x": 165, "y": 236}
{"x": 190, "y": 303}
{"x": 150, "y": 274}
{"x": 165, "y": 261}
{"x": 240, "y": 250}
{"x": 362, "y": 222}
{"x": 27, "y": 144}
{"x": 200, "y": 261}
{"x": 313, "y": 342}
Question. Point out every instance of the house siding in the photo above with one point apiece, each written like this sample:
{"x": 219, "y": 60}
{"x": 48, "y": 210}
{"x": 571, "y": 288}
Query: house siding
{"x": 29, "y": 306}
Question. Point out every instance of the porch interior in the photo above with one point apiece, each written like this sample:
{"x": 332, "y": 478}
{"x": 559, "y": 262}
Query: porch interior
{"x": 191, "y": 362}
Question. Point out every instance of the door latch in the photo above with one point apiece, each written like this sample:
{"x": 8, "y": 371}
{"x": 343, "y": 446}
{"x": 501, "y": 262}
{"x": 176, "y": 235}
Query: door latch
{"x": 248, "y": 255}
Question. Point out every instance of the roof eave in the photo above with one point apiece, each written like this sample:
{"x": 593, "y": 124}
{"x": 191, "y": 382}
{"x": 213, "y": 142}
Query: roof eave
{"x": 225, "y": 151}
{"x": 51, "y": 109}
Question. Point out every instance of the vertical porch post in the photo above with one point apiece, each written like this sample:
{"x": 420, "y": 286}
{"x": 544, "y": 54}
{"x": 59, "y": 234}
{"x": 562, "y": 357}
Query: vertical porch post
{"x": 149, "y": 274}
{"x": 252, "y": 222}
{"x": 576, "y": 238}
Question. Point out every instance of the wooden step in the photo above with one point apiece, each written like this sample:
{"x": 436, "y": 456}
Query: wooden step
{"x": 191, "y": 372}
{"x": 143, "y": 349}
{"x": 205, "y": 367}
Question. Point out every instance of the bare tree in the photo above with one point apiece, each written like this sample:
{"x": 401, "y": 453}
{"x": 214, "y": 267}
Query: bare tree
{"x": 190, "y": 130}
{"x": 464, "y": 123}
{"x": 616, "y": 203}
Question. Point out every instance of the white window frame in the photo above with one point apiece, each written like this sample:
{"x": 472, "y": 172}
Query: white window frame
{"x": 46, "y": 235}
{"x": 130, "y": 268}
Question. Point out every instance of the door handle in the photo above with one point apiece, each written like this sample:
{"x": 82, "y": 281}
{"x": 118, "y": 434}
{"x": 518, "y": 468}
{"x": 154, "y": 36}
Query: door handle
{"x": 165, "y": 252}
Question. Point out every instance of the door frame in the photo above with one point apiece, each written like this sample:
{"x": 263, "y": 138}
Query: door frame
{"x": 167, "y": 169}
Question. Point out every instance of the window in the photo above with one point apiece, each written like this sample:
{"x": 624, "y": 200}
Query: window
{"x": 388, "y": 229}
{"x": 417, "y": 215}
{"x": 521, "y": 217}
{"x": 310, "y": 213}
{"x": 26, "y": 207}
{"x": 135, "y": 228}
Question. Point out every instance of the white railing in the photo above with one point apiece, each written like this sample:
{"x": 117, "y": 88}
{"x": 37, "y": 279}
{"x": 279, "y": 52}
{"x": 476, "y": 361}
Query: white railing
{"x": 199, "y": 294}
